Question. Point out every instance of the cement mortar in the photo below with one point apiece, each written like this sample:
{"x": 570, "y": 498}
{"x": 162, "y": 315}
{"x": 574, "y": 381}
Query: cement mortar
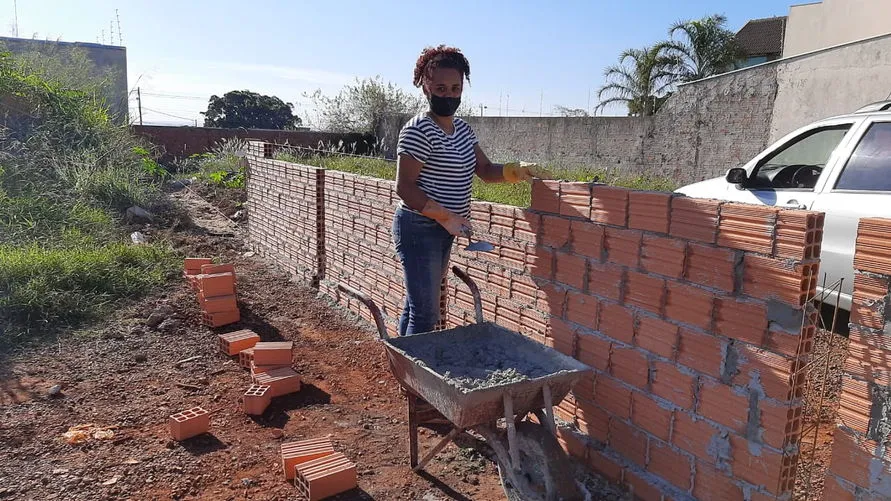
{"x": 477, "y": 365}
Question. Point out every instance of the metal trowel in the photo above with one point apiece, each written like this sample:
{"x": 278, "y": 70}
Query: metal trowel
{"x": 478, "y": 246}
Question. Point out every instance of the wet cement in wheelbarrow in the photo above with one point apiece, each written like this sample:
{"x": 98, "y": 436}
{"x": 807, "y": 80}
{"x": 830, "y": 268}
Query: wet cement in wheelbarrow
{"x": 479, "y": 363}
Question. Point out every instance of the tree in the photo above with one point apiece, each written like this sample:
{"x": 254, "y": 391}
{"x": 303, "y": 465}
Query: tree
{"x": 563, "y": 111}
{"x": 360, "y": 107}
{"x": 243, "y": 108}
{"x": 640, "y": 80}
{"x": 701, "y": 48}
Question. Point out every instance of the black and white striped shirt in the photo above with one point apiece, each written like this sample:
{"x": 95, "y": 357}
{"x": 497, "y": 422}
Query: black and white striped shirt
{"x": 449, "y": 161}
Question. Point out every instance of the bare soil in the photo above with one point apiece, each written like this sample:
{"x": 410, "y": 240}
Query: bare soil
{"x": 124, "y": 376}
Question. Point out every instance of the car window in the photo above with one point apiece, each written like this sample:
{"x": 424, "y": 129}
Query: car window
{"x": 869, "y": 168}
{"x": 798, "y": 164}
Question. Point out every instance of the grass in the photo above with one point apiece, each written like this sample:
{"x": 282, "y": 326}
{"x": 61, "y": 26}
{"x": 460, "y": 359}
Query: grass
{"x": 518, "y": 195}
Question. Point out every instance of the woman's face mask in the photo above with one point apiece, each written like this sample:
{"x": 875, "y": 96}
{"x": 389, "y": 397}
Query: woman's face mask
{"x": 443, "y": 106}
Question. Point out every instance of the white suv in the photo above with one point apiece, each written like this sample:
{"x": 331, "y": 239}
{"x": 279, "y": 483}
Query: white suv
{"x": 840, "y": 166}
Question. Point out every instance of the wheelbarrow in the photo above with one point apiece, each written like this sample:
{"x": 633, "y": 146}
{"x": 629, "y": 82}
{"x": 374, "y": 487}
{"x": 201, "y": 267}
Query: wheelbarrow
{"x": 491, "y": 380}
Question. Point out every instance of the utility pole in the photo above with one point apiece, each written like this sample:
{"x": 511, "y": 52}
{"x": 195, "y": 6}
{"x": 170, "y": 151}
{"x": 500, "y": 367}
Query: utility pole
{"x": 139, "y": 103}
{"x": 541, "y": 103}
{"x": 481, "y": 109}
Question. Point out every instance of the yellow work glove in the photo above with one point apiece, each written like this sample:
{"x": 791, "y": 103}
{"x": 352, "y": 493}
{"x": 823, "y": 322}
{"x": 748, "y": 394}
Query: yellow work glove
{"x": 514, "y": 172}
{"x": 453, "y": 223}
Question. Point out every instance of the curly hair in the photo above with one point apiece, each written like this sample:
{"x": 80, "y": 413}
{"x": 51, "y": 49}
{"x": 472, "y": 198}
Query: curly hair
{"x": 440, "y": 57}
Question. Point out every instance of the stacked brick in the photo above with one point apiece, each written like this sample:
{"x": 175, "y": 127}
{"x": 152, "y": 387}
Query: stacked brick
{"x": 861, "y": 462}
{"x": 270, "y": 365}
{"x": 691, "y": 314}
{"x": 359, "y": 249}
{"x": 318, "y": 471}
{"x": 215, "y": 286}
{"x": 284, "y": 203}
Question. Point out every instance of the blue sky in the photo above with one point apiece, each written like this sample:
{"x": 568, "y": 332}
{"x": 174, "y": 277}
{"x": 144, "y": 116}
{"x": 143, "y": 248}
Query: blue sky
{"x": 525, "y": 57}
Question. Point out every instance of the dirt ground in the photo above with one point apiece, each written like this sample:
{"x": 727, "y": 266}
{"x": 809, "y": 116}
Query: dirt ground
{"x": 124, "y": 376}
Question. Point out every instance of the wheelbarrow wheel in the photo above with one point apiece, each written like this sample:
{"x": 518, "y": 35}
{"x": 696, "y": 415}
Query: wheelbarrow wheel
{"x": 544, "y": 472}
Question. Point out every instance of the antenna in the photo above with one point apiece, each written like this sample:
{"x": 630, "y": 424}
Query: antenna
{"x": 15, "y": 7}
{"x": 103, "y": 35}
{"x": 120, "y": 37}
{"x": 111, "y": 33}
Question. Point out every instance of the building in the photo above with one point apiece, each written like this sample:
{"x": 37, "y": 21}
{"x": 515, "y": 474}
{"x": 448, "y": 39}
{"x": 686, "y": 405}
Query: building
{"x": 824, "y": 24}
{"x": 761, "y": 40}
{"x": 109, "y": 62}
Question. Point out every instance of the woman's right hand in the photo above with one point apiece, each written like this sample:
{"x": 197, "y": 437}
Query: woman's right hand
{"x": 453, "y": 223}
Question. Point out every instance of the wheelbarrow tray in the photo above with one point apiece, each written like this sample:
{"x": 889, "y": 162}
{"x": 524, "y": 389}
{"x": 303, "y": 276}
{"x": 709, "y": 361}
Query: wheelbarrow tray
{"x": 441, "y": 367}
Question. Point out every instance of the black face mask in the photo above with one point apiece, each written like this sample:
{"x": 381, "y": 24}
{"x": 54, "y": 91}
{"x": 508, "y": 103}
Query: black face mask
{"x": 444, "y": 106}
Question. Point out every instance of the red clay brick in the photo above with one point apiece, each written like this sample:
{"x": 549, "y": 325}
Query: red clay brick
{"x": 785, "y": 343}
{"x": 546, "y": 196}
{"x": 663, "y": 256}
{"x": 192, "y": 265}
{"x": 233, "y": 342}
{"x": 325, "y": 477}
{"x": 701, "y": 352}
{"x": 628, "y": 441}
{"x": 742, "y": 320}
{"x": 709, "y": 483}
{"x": 774, "y": 371}
{"x": 612, "y": 396}
{"x": 541, "y": 263}
{"x": 762, "y": 469}
{"x": 571, "y": 444}
{"x": 256, "y": 399}
{"x": 711, "y": 266}
{"x": 217, "y": 304}
{"x": 609, "y": 205}
{"x": 582, "y": 309}
{"x": 695, "y": 219}
{"x": 555, "y": 231}
{"x": 692, "y": 436}
{"x": 571, "y": 270}
{"x": 799, "y": 234}
{"x": 767, "y": 278}
{"x": 587, "y": 239}
{"x": 606, "y": 280}
{"x": 781, "y": 423}
{"x": 650, "y": 416}
{"x": 689, "y": 305}
{"x": 601, "y": 464}
{"x": 630, "y": 366}
{"x": 850, "y": 461}
{"x": 189, "y": 423}
{"x": 551, "y": 298}
{"x": 282, "y": 381}
{"x": 526, "y": 225}
{"x": 669, "y": 464}
{"x": 623, "y": 246}
{"x": 245, "y": 357}
{"x": 672, "y": 384}
{"x": 855, "y": 405}
{"x": 724, "y": 404}
{"x": 219, "y": 284}
{"x": 644, "y": 291}
{"x": 649, "y": 211}
{"x": 617, "y": 322}
{"x": 747, "y": 227}
{"x": 642, "y": 489}
{"x": 873, "y": 249}
{"x": 273, "y": 353}
{"x": 213, "y": 269}
{"x": 563, "y": 336}
{"x": 870, "y": 301}
{"x": 834, "y": 489}
{"x": 301, "y": 451}
{"x": 575, "y": 199}
{"x": 592, "y": 420}
{"x": 593, "y": 351}
{"x": 657, "y": 336}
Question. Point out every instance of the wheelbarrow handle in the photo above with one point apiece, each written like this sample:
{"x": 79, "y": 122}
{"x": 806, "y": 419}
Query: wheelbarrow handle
{"x": 474, "y": 291}
{"x": 375, "y": 311}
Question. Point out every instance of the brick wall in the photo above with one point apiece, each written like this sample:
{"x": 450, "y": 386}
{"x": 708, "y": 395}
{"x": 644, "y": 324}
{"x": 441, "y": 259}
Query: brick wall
{"x": 689, "y": 311}
{"x": 284, "y": 201}
{"x": 861, "y": 461}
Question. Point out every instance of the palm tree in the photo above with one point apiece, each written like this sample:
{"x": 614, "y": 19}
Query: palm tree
{"x": 705, "y": 48}
{"x": 640, "y": 80}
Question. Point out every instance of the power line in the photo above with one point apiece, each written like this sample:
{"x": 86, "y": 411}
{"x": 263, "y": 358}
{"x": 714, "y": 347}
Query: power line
{"x": 168, "y": 114}
{"x": 172, "y": 96}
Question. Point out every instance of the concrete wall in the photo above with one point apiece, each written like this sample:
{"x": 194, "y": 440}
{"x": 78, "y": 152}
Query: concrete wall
{"x": 819, "y": 25}
{"x": 180, "y": 142}
{"x": 689, "y": 312}
{"x": 707, "y": 127}
{"x": 831, "y": 82}
{"x": 109, "y": 61}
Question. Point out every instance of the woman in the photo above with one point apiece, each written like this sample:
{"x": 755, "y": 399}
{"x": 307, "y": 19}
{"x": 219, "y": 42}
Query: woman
{"x": 438, "y": 156}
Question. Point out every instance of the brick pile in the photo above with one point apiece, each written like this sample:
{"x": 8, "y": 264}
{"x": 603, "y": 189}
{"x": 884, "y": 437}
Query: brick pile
{"x": 215, "y": 288}
{"x": 861, "y": 458}
{"x": 318, "y": 471}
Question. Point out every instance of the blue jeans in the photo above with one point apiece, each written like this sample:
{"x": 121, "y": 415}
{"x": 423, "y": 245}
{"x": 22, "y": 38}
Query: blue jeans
{"x": 423, "y": 246}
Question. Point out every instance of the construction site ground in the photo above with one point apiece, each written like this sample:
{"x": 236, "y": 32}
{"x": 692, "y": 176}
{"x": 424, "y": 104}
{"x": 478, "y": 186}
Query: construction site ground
{"x": 123, "y": 376}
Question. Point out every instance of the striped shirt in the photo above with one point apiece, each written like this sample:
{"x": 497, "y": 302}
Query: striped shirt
{"x": 449, "y": 161}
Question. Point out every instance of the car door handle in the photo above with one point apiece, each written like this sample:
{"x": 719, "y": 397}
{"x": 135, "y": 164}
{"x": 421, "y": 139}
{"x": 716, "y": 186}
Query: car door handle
{"x": 793, "y": 204}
